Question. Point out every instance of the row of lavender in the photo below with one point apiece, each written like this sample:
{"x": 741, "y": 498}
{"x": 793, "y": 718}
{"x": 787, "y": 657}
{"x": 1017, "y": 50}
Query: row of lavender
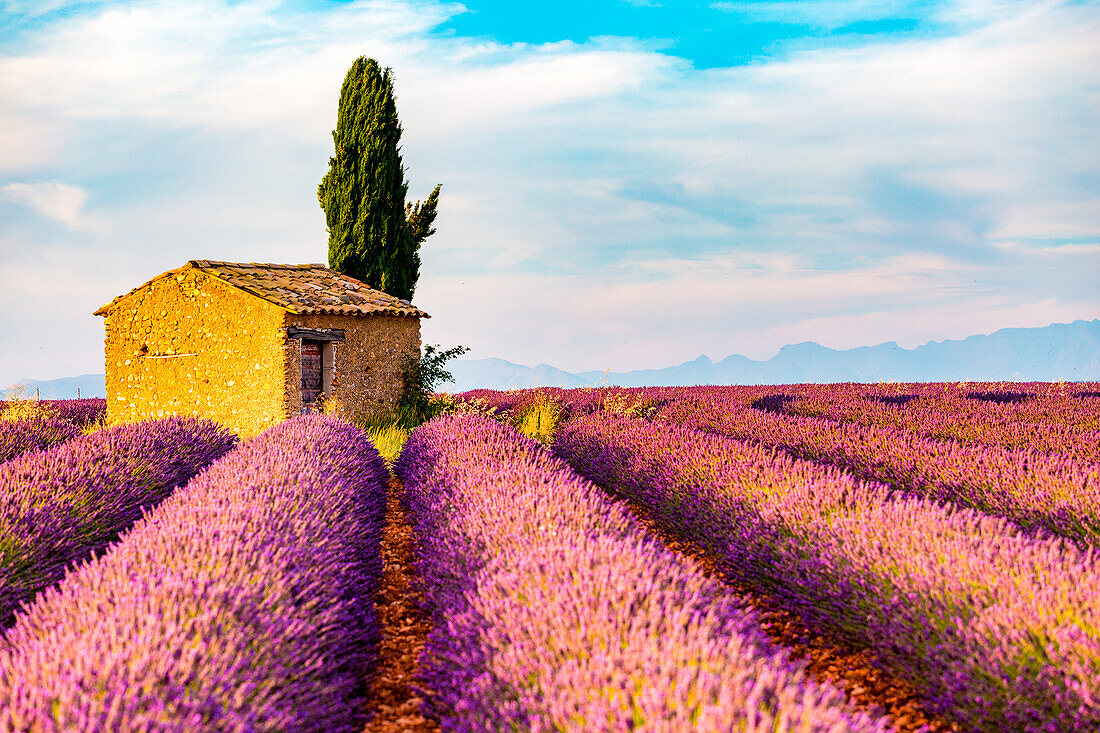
{"x": 80, "y": 412}
{"x": 995, "y": 627}
{"x": 244, "y": 602}
{"x": 53, "y": 422}
{"x": 554, "y": 610}
{"x": 1046, "y": 418}
{"x": 1052, "y": 492}
{"x": 1048, "y": 492}
{"x": 1075, "y": 408}
{"x": 60, "y": 505}
{"x": 1068, "y": 404}
{"x": 1065, "y": 404}
{"x": 1023, "y": 415}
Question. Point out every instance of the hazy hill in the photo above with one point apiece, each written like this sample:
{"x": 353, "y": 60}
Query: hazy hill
{"x": 90, "y": 385}
{"x": 1069, "y": 351}
{"x": 500, "y": 374}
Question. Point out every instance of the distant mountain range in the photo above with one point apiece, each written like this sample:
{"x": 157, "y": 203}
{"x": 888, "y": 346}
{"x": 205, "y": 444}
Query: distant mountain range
{"x": 1062, "y": 351}
{"x": 89, "y": 385}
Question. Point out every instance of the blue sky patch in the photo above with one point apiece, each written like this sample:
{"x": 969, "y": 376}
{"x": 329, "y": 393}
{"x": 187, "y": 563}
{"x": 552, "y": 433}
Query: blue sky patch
{"x": 709, "y": 35}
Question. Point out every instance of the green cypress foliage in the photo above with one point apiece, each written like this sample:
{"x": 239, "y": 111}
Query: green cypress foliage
{"x": 373, "y": 235}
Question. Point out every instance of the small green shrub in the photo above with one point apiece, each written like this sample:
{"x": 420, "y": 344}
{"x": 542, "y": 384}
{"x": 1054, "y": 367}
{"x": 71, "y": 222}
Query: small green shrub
{"x": 388, "y": 439}
{"x": 450, "y": 406}
{"x": 539, "y": 419}
{"x": 387, "y": 434}
{"x": 21, "y": 405}
{"x": 421, "y": 376}
{"x": 622, "y": 403}
{"x": 645, "y": 409}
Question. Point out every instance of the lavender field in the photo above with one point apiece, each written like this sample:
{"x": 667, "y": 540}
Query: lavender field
{"x": 794, "y": 558}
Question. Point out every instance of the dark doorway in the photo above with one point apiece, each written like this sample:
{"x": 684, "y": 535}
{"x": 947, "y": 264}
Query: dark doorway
{"x": 312, "y": 383}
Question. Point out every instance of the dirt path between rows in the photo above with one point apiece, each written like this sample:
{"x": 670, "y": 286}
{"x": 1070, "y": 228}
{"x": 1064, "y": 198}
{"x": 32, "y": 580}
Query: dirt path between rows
{"x": 393, "y": 695}
{"x": 869, "y": 686}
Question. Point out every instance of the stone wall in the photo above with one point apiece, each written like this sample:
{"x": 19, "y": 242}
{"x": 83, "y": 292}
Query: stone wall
{"x": 367, "y": 364}
{"x": 189, "y": 344}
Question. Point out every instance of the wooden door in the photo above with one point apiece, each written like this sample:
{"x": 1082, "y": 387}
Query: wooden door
{"x": 312, "y": 384}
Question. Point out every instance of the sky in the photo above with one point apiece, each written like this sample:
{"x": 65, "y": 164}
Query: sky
{"x": 626, "y": 183}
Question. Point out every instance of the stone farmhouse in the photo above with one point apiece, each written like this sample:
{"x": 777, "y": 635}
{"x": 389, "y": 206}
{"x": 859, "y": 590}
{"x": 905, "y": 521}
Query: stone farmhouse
{"x": 249, "y": 344}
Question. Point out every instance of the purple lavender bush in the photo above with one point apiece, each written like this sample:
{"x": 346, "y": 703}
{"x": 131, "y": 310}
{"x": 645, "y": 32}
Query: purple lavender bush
{"x": 244, "y": 602}
{"x": 997, "y": 628}
{"x": 554, "y": 610}
{"x": 1039, "y": 418}
{"x": 82, "y": 412}
{"x": 1036, "y": 490}
{"x": 18, "y": 437}
{"x": 60, "y": 505}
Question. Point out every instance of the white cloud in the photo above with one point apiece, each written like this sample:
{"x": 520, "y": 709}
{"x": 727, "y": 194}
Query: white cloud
{"x": 215, "y": 65}
{"x": 205, "y": 63}
{"x": 1051, "y": 219}
{"x": 1072, "y": 249}
{"x": 59, "y": 201}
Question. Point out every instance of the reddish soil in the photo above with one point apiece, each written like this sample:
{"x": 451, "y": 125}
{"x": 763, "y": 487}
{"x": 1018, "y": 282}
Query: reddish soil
{"x": 871, "y": 688}
{"x": 404, "y": 632}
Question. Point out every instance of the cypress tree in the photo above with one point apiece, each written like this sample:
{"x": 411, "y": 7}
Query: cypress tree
{"x": 373, "y": 235}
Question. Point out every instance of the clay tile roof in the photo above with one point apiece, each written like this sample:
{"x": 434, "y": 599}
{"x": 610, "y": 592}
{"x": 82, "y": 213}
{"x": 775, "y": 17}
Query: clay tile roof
{"x": 300, "y": 289}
